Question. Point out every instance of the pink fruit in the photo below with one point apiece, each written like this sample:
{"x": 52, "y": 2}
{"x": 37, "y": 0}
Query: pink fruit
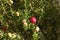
{"x": 33, "y": 19}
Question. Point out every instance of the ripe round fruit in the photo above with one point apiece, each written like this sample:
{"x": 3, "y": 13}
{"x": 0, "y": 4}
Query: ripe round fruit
{"x": 33, "y": 19}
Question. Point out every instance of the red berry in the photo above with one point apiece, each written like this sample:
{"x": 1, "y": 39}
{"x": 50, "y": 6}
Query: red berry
{"x": 4, "y": 28}
{"x": 33, "y": 19}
